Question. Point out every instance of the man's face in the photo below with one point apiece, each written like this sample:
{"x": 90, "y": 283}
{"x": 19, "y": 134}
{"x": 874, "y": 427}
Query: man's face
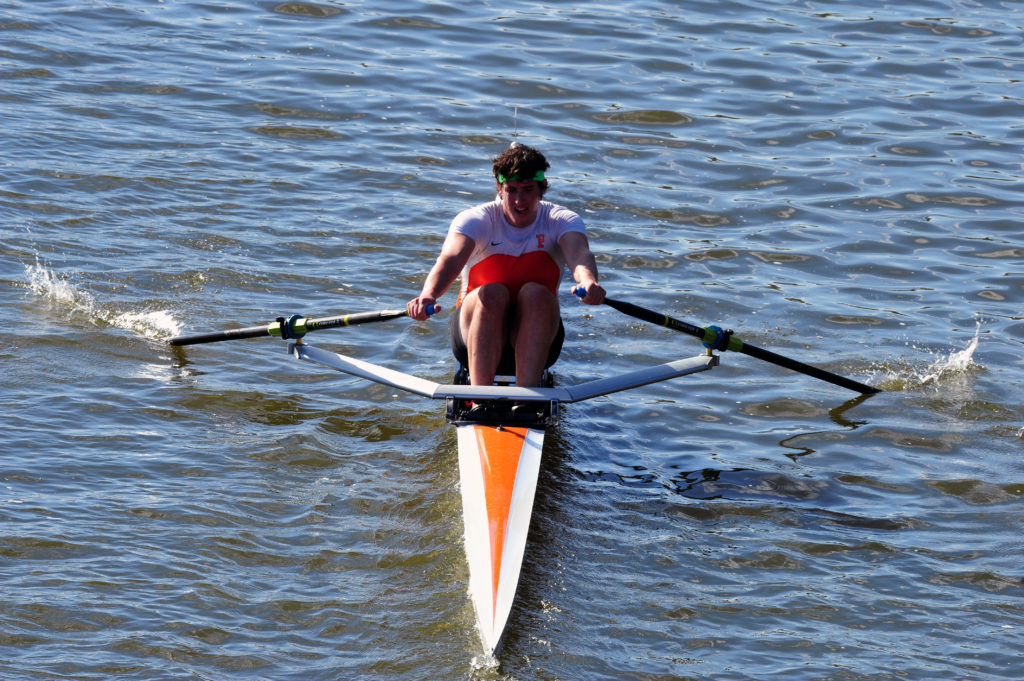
{"x": 520, "y": 200}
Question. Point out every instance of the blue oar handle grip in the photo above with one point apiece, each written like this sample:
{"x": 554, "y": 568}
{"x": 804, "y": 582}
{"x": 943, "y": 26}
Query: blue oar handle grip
{"x": 579, "y": 292}
{"x": 431, "y": 309}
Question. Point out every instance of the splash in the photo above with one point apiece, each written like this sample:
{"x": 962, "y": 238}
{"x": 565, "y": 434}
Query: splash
{"x": 945, "y": 370}
{"x": 485, "y": 663}
{"x": 56, "y": 289}
{"x": 158, "y": 325}
{"x": 955, "y": 365}
{"x": 62, "y": 293}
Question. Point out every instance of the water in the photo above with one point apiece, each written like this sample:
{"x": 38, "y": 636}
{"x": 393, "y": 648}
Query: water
{"x": 840, "y": 184}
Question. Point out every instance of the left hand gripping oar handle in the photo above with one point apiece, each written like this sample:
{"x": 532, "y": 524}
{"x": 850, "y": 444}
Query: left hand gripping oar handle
{"x": 294, "y": 327}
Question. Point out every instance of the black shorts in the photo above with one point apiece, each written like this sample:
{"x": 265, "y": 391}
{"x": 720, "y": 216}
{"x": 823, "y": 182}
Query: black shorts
{"x": 507, "y": 365}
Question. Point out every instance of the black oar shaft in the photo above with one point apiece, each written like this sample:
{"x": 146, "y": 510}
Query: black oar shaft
{"x": 655, "y": 317}
{"x": 813, "y": 371}
{"x": 353, "y": 319}
{"x": 233, "y": 334}
{"x": 738, "y": 346}
{"x": 291, "y": 328}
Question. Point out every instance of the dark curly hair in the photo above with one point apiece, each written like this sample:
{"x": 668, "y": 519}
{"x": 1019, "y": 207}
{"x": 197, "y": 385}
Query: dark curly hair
{"x": 520, "y": 162}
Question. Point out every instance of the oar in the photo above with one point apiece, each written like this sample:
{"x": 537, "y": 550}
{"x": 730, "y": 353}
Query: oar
{"x": 294, "y": 327}
{"x": 714, "y": 338}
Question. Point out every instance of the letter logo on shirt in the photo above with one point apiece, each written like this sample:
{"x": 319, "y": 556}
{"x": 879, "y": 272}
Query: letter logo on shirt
{"x": 540, "y": 241}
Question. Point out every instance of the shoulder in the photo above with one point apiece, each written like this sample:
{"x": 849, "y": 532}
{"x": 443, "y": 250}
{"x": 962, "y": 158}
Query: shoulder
{"x": 482, "y": 212}
{"x": 476, "y": 220}
{"x": 564, "y": 219}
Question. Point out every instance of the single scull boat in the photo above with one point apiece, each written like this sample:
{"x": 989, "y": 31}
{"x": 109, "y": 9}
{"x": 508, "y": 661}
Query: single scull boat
{"x": 499, "y": 460}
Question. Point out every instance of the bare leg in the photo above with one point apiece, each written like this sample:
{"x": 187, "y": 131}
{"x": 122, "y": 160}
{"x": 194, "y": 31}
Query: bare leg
{"x": 484, "y": 313}
{"x": 534, "y": 328}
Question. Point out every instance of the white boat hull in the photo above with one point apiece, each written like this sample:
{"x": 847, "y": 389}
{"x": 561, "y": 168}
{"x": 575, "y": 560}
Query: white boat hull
{"x": 498, "y": 465}
{"x": 498, "y": 468}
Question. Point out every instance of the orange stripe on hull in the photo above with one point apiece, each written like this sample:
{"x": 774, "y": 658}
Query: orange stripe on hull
{"x": 500, "y": 450}
{"x": 498, "y": 468}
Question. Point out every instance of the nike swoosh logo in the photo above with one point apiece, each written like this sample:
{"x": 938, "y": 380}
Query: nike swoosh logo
{"x": 497, "y": 243}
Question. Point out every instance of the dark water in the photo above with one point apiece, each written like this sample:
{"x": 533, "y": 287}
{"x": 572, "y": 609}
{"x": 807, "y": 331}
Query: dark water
{"x": 840, "y": 183}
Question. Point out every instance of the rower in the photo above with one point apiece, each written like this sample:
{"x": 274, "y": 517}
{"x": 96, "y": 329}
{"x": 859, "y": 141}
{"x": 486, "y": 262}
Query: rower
{"x": 511, "y": 253}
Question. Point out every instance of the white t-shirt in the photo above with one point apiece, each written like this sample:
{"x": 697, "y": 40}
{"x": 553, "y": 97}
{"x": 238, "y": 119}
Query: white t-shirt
{"x": 512, "y": 255}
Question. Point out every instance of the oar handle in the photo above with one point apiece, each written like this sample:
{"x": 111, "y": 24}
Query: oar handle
{"x": 295, "y": 326}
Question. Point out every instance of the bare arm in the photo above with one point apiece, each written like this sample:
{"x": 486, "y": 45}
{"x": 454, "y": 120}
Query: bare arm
{"x": 580, "y": 259}
{"x": 454, "y": 255}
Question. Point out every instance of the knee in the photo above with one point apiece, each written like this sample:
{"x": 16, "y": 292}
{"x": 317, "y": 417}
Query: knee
{"x": 493, "y": 297}
{"x": 534, "y": 295}
{"x": 537, "y": 305}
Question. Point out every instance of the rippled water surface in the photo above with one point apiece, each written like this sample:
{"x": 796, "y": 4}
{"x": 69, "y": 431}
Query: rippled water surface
{"x": 838, "y": 182}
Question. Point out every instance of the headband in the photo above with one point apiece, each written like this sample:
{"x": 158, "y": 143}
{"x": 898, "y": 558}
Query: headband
{"x": 537, "y": 177}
